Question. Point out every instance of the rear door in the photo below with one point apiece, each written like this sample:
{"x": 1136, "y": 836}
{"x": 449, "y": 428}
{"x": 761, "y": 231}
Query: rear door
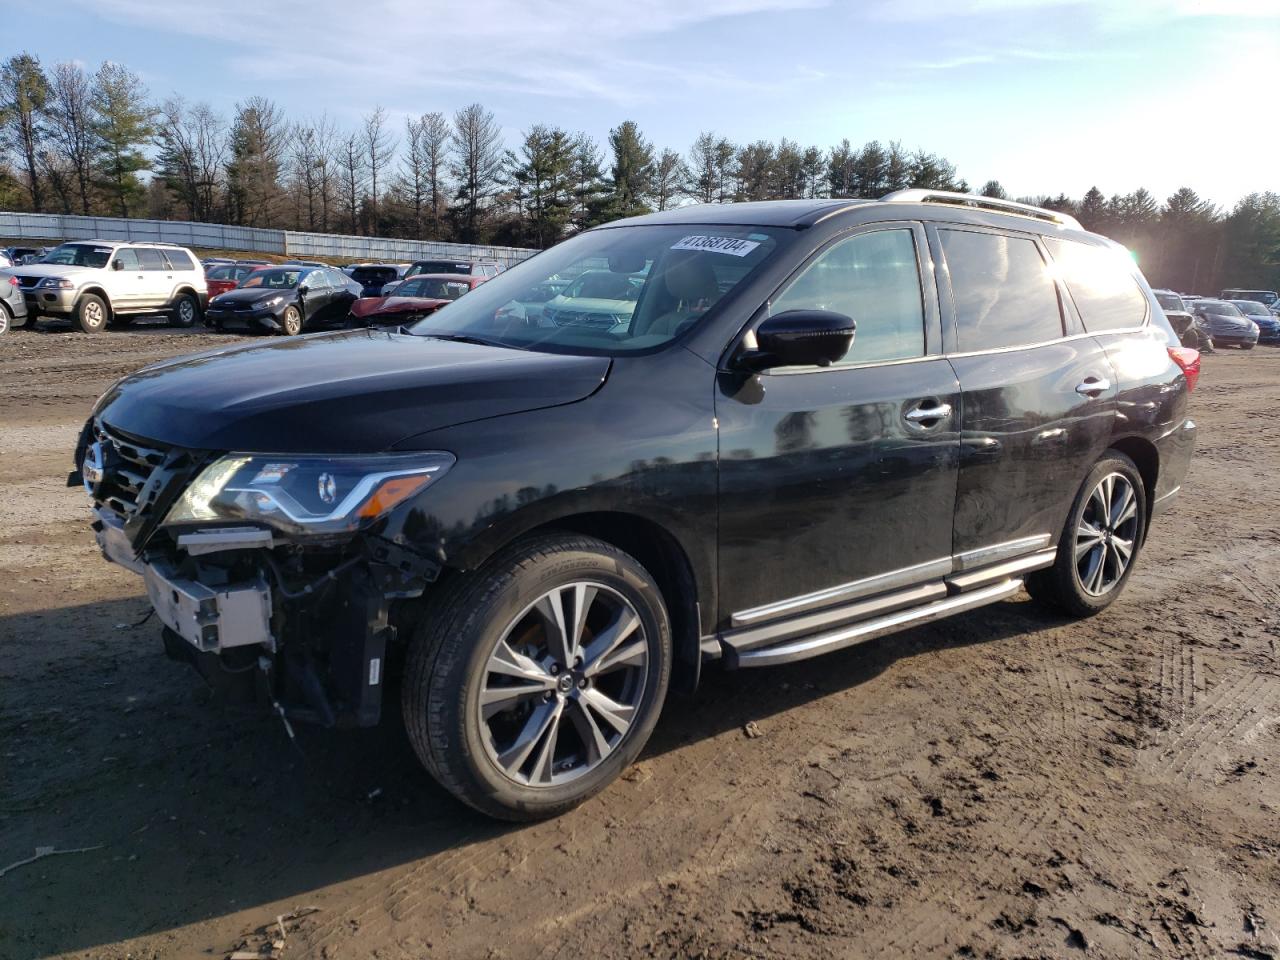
{"x": 1038, "y": 394}
{"x": 839, "y": 482}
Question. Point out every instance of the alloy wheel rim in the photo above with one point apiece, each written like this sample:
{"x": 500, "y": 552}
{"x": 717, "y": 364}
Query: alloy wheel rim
{"x": 291, "y": 322}
{"x": 563, "y": 685}
{"x": 1106, "y": 535}
{"x": 186, "y": 312}
{"x": 93, "y": 313}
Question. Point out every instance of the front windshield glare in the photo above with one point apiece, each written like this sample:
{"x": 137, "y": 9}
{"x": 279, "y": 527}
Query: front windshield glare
{"x": 616, "y": 290}
{"x": 79, "y": 255}
{"x": 1251, "y": 307}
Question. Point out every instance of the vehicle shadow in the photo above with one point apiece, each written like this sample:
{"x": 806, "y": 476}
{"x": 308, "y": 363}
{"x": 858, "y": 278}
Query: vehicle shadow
{"x": 205, "y": 811}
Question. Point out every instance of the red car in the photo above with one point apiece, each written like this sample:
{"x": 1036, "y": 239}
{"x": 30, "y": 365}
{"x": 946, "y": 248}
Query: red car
{"x": 413, "y": 298}
{"x": 222, "y": 277}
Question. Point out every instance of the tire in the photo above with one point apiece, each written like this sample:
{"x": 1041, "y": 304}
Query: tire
{"x": 1247, "y": 346}
{"x": 1070, "y": 585}
{"x": 291, "y": 321}
{"x": 92, "y": 314}
{"x": 490, "y": 762}
{"x": 185, "y": 311}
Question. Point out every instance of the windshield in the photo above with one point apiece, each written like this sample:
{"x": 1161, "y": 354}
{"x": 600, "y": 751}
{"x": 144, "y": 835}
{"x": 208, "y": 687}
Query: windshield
{"x": 433, "y": 288}
{"x": 629, "y": 289}
{"x": 1251, "y": 307}
{"x": 1169, "y": 302}
{"x": 1218, "y": 308}
{"x": 440, "y": 266}
{"x": 282, "y": 279}
{"x": 1265, "y": 297}
{"x": 79, "y": 255}
{"x": 373, "y": 274}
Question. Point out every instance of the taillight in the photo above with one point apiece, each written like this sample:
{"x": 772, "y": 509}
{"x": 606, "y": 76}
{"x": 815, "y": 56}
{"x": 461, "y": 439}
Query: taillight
{"x": 13, "y": 281}
{"x": 1188, "y": 361}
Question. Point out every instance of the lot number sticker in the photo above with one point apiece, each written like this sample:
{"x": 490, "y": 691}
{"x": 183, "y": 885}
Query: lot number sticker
{"x": 730, "y": 245}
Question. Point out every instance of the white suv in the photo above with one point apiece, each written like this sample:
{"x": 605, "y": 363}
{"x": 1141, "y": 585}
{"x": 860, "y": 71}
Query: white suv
{"x": 100, "y": 282}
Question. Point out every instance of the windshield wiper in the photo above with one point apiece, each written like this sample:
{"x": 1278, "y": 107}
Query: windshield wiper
{"x": 463, "y": 338}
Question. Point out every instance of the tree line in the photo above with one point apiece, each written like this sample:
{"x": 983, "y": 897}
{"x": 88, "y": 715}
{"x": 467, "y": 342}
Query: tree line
{"x": 96, "y": 143}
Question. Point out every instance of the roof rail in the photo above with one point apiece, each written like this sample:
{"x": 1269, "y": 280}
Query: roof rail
{"x": 917, "y": 195}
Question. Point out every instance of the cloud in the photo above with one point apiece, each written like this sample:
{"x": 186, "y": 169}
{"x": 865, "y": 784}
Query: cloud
{"x": 554, "y": 48}
{"x": 1104, "y": 12}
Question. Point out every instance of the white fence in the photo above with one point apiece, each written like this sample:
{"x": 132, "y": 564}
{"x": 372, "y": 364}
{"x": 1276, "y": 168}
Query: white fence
{"x": 218, "y": 236}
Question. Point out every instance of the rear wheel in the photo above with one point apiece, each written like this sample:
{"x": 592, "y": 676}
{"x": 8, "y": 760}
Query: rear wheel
{"x": 6, "y": 318}
{"x": 536, "y": 680}
{"x": 185, "y": 311}
{"x": 92, "y": 314}
{"x": 1101, "y": 542}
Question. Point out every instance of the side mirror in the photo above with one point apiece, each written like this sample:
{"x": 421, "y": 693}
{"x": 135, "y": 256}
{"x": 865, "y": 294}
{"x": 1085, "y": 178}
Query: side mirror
{"x": 801, "y": 338}
{"x": 117, "y": 264}
{"x": 303, "y": 289}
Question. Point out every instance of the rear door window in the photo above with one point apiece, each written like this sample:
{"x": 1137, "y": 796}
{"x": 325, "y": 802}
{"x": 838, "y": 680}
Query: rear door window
{"x": 1101, "y": 283}
{"x": 152, "y": 259}
{"x": 873, "y": 278}
{"x": 1003, "y": 291}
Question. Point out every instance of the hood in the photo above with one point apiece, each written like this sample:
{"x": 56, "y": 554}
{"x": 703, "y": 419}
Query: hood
{"x": 57, "y": 270}
{"x": 402, "y": 305}
{"x": 253, "y": 294}
{"x": 358, "y": 391}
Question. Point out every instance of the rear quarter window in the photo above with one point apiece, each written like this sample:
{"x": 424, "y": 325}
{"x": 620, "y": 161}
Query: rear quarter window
{"x": 179, "y": 260}
{"x": 1003, "y": 291}
{"x": 1101, "y": 283}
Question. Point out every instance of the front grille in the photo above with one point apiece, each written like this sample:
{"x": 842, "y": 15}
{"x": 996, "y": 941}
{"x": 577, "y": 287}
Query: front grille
{"x": 28, "y": 282}
{"x": 127, "y": 467}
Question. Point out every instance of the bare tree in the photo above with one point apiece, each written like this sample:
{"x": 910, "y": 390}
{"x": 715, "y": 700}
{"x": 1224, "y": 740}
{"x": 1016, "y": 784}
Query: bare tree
{"x": 422, "y": 171}
{"x": 192, "y": 152}
{"x": 380, "y": 147}
{"x": 70, "y": 134}
{"x": 477, "y": 165}
{"x": 669, "y": 178}
{"x": 349, "y": 159}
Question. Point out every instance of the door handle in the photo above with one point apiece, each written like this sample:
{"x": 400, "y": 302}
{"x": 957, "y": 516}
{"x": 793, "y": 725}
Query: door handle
{"x": 923, "y": 415}
{"x": 1093, "y": 386}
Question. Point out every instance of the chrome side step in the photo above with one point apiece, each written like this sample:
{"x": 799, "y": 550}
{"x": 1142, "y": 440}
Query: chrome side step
{"x": 1010, "y": 568}
{"x": 847, "y": 636}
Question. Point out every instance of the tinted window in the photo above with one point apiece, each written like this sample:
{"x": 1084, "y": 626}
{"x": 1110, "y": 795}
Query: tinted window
{"x": 1169, "y": 301}
{"x": 1004, "y": 295}
{"x": 152, "y": 259}
{"x": 874, "y": 278}
{"x": 1101, "y": 282}
{"x": 440, "y": 266}
{"x": 178, "y": 260}
{"x": 374, "y": 274}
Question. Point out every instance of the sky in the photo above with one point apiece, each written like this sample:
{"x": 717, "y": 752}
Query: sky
{"x": 1044, "y": 95}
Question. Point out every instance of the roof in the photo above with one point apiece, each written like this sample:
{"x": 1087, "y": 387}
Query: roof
{"x": 796, "y": 214}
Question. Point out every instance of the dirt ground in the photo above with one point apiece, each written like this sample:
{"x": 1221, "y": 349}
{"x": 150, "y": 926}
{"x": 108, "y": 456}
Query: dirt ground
{"x": 1002, "y": 784}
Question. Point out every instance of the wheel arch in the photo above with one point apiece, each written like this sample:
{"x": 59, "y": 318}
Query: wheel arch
{"x": 98, "y": 292}
{"x": 660, "y": 552}
{"x": 1146, "y": 458}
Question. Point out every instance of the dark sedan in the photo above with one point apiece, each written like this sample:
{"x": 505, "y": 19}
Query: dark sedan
{"x": 1268, "y": 323}
{"x": 1225, "y": 323}
{"x": 285, "y": 299}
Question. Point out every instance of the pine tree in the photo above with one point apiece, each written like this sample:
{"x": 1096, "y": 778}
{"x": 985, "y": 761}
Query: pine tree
{"x": 670, "y": 179}
{"x": 841, "y": 175}
{"x": 542, "y": 175}
{"x": 477, "y": 168}
{"x": 993, "y": 189}
{"x": 258, "y": 141}
{"x": 122, "y": 126}
{"x": 24, "y": 97}
{"x": 631, "y": 177}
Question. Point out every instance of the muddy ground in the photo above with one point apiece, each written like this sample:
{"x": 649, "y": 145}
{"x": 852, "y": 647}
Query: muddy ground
{"x": 1003, "y": 784}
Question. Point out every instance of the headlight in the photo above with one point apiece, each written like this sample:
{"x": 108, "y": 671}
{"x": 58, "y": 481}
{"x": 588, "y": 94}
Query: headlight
{"x": 59, "y": 283}
{"x": 272, "y": 301}
{"x": 307, "y": 495}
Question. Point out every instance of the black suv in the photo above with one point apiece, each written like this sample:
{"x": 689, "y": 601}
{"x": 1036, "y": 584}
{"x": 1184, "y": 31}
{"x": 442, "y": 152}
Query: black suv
{"x": 819, "y": 422}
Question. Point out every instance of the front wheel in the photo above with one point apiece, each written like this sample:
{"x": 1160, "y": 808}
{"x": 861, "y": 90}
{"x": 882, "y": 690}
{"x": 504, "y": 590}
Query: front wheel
{"x": 1247, "y": 346}
{"x": 291, "y": 321}
{"x": 1100, "y": 545}
{"x": 91, "y": 313}
{"x": 535, "y": 681}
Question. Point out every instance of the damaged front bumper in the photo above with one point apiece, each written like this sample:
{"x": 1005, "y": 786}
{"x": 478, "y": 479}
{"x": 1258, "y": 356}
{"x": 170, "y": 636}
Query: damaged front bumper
{"x": 315, "y": 653}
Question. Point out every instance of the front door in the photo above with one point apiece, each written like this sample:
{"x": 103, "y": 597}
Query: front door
{"x": 1038, "y": 394}
{"x": 830, "y": 476}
